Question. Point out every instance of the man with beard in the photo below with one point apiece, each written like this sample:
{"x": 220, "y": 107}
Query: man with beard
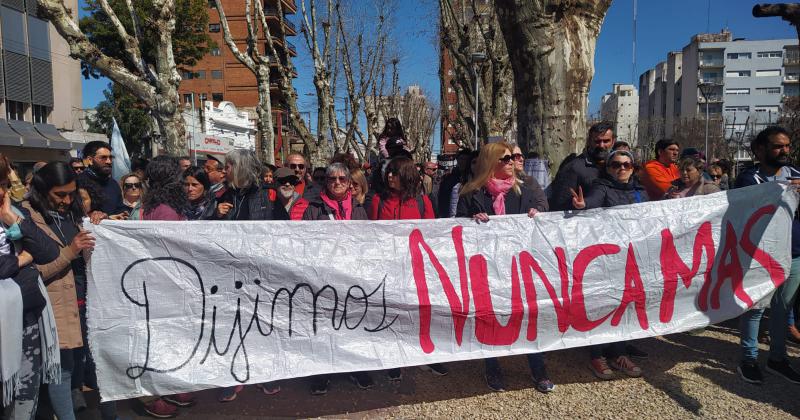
{"x": 99, "y": 173}
{"x": 581, "y": 171}
{"x": 659, "y": 173}
{"x": 771, "y": 147}
{"x": 295, "y": 205}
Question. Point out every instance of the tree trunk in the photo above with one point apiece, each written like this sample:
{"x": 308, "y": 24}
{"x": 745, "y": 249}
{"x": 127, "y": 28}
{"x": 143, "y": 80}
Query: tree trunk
{"x": 264, "y": 122}
{"x": 551, "y": 46}
{"x": 173, "y": 131}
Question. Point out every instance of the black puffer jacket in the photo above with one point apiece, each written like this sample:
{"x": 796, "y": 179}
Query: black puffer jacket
{"x": 579, "y": 172}
{"x": 253, "y": 204}
{"x": 608, "y": 192}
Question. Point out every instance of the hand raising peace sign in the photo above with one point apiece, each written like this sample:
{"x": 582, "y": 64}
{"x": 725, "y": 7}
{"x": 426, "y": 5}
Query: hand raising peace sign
{"x": 577, "y": 198}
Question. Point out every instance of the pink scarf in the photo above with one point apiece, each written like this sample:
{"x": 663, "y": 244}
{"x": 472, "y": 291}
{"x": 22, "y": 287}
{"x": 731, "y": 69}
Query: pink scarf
{"x": 498, "y": 189}
{"x": 347, "y": 205}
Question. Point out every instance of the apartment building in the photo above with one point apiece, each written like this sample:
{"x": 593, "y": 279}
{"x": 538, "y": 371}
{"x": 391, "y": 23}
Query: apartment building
{"x": 621, "y": 106}
{"x": 741, "y": 82}
{"x": 219, "y": 76}
{"x": 34, "y": 101}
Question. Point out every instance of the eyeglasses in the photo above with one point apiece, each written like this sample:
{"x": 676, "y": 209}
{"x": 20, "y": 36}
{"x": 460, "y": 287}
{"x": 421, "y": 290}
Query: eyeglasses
{"x": 341, "y": 179}
{"x": 297, "y": 166}
{"x": 517, "y": 156}
{"x": 287, "y": 181}
{"x": 617, "y": 165}
{"x": 132, "y": 185}
{"x": 716, "y": 176}
{"x": 507, "y": 159}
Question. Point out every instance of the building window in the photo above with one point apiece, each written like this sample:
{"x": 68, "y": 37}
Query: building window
{"x": 737, "y": 91}
{"x": 187, "y": 98}
{"x": 212, "y": 3}
{"x": 739, "y": 56}
{"x": 15, "y": 110}
{"x": 770, "y": 54}
{"x": 216, "y": 52}
{"x": 213, "y": 27}
{"x": 768, "y": 91}
{"x": 40, "y": 113}
{"x": 201, "y": 74}
{"x": 738, "y": 73}
{"x": 203, "y": 97}
{"x": 216, "y": 74}
{"x": 737, "y": 109}
{"x": 216, "y": 97}
{"x": 767, "y": 108}
{"x": 766, "y": 73}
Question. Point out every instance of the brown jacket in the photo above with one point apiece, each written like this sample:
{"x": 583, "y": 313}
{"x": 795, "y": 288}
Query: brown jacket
{"x": 60, "y": 287}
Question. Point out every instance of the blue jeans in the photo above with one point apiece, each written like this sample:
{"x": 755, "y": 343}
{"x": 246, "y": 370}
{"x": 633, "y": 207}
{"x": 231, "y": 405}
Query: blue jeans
{"x": 61, "y": 394}
{"x": 780, "y": 306}
{"x": 535, "y": 363}
{"x": 610, "y": 350}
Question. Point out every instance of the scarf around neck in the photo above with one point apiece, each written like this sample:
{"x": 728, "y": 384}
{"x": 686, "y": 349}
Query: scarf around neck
{"x": 498, "y": 188}
{"x": 345, "y": 206}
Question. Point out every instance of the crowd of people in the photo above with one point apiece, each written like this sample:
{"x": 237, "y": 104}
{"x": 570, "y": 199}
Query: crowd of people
{"x": 42, "y": 243}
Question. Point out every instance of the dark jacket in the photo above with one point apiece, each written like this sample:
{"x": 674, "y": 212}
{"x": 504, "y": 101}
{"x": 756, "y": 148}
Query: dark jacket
{"x": 445, "y": 187}
{"x": 112, "y": 194}
{"x": 578, "y": 172}
{"x": 319, "y": 210}
{"x": 254, "y": 204}
{"x": 43, "y": 250}
{"x": 753, "y": 176}
{"x": 480, "y": 201}
{"x": 539, "y": 196}
{"x": 608, "y": 192}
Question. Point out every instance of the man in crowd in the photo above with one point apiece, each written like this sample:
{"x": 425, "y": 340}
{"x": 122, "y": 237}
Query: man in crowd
{"x": 216, "y": 175}
{"x": 297, "y": 163}
{"x": 429, "y": 174}
{"x": 184, "y": 162}
{"x": 771, "y": 147}
{"x": 463, "y": 159}
{"x": 99, "y": 173}
{"x": 580, "y": 172}
{"x": 294, "y": 204}
{"x": 659, "y": 173}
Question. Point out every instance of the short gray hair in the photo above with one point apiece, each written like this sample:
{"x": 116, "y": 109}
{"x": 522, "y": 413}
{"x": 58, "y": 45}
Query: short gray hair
{"x": 245, "y": 168}
{"x": 335, "y": 168}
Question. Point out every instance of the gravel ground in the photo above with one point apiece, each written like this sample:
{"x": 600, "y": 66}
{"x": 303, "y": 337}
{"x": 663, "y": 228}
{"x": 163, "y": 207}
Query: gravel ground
{"x": 686, "y": 376}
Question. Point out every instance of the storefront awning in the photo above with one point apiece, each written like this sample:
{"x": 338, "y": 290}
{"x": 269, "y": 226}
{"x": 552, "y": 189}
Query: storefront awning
{"x": 7, "y": 136}
{"x": 50, "y": 132}
{"x": 30, "y": 137}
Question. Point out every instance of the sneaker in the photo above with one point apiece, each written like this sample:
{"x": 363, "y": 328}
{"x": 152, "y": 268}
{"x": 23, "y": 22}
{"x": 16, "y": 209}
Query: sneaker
{"x": 600, "y": 369}
{"x": 362, "y": 380}
{"x": 750, "y": 372}
{"x": 544, "y": 385}
{"x": 269, "y": 388}
{"x": 319, "y": 384}
{"x": 395, "y": 375}
{"x": 626, "y": 365}
{"x": 230, "y": 393}
{"x": 793, "y": 334}
{"x": 437, "y": 369}
{"x": 494, "y": 379}
{"x": 78, "y": 402}
{"x": 160, "y": 409}
{"x": 185, "y": 399}
{"x": 783, "y": 368}
{"x": 636, "y": 353}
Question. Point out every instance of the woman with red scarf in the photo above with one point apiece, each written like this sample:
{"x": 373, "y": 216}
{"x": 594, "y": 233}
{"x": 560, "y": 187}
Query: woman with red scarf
{"x": 495, "y": 190}
{"x": 336, "y": 202}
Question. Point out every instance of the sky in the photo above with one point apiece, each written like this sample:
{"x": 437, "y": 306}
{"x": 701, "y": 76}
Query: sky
{"x": 662, "y": 26}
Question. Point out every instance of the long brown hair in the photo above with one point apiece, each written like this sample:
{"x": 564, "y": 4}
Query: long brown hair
{"x": 487, "y": 159}
{"x": 406, "y": 171}
{"x": 357, "y": 177}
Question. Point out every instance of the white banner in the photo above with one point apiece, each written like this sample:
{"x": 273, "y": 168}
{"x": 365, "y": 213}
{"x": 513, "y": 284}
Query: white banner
{"x": 183, "y": 306}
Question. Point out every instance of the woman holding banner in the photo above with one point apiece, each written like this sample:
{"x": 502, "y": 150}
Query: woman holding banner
{"x": 402, "y": 199}
{"x": 616, "y": 186}
{"x": 495, "y": 190}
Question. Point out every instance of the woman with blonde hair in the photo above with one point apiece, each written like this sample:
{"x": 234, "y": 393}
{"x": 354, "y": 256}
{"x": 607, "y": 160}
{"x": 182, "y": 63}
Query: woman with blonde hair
{"x": 496, "y": 190}
{"x": 359, "y": 186}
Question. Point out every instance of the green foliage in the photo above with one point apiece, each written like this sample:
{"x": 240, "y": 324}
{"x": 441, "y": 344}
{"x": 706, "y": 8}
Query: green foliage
{"x": 190, "y": 42}
{"x": 132, "y": 117}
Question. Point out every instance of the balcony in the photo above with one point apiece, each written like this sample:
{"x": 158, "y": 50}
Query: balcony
{"x": 272, "y": 12}
{"x": 707, "y": 64}
{"x": 291, "y": 48}
{"x": 791, "y": 78}
{"x": 791, "y": 60}
{"x": 714, "y": 81}
{"x": 711, "y": 99}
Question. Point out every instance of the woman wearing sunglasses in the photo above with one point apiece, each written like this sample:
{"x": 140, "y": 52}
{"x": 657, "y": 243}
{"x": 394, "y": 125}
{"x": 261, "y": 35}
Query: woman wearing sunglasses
{"x": 692, "y": 182}
{"x": 496, "y": 190}
{"x": 616, "y": 186}
{"x": 132, "y": 192}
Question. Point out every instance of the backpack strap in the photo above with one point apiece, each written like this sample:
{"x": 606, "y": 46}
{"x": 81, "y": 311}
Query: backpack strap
{"x": 380, "y": 206}
{"x": 421, "y": 206}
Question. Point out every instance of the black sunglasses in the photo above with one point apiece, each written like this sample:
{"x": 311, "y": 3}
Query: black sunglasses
{"x": 716, "y": 176}
{"x": 517, "y": 156}
{"x": 507, "y": 159}
{"x": 128, "y": 186}
{"x": 297, "y": 166}
{"x": 623, "y": 165}
{"x": 341, "y": 179}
